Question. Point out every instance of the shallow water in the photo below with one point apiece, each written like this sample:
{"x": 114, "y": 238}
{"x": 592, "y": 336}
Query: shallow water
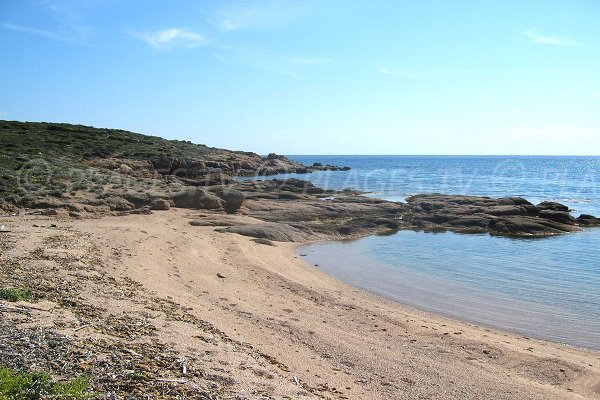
{"x": 547, "y": 288}
{"x": 544, "y": 288}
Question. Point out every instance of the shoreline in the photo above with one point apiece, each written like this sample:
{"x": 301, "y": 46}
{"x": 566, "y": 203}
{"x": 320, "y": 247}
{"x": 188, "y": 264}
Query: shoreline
{"x": 486, "y": 309}
{"x": 275, "y": 324}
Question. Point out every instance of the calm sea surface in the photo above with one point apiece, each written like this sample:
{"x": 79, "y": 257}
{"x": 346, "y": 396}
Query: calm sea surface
{"x": 546, "y": 288}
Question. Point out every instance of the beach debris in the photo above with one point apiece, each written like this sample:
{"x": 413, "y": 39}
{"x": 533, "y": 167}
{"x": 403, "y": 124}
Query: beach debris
{"x": 81, "y": 327}
{"x": 170, "y": 380}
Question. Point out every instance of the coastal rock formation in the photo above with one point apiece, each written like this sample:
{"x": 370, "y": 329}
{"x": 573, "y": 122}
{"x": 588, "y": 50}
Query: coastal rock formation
{"x": 512, "y": 216}
{"x": 91, "y": 172}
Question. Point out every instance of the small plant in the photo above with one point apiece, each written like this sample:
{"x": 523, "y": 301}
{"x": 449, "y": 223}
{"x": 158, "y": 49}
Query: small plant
{"x": 18, "y": 385}
{"x": 15, "y": 294}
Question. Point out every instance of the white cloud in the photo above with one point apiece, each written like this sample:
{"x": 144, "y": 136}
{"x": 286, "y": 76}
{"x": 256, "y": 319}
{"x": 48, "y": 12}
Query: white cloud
{"x": 30, "y": 30}
{"x": 173, "y": 37}
{"x": 261, "y": 15}
{"x": 535, "y": 37}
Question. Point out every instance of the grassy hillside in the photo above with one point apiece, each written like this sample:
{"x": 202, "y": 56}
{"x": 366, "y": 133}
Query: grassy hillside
{"x": 78, "y": 142}
{"x": 39, "y": 159}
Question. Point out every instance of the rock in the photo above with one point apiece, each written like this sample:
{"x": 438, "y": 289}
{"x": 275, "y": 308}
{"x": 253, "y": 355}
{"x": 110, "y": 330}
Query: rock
{"x": 45, "y": 202}
{"x": 588, "y": 220}
{"x": 388, "y": 223}
{"x": 558, "y": 216}
{"x": 347, "y": 230}
{"x": 263, "y": 241}
{"x": 117, "y": 203}
{"x": 291, "y": 196}
{"x": 272, "y": 231}
{"x": 163, "y": 165}
{"x": 160, "y": 204}
{"x": 504, "y": 216}
{"x": 125, "y": 169}
{"x": 136, "y": 198}
{"x": 197, "y": 199}
{"x": 220, "y": 275}
{"x": 553, "y": 206}
{"x": 233, "y": 199}
{"x": 528, "y": 226}
{"x": 140, "y": 211}
{"x": 57, "y": 212}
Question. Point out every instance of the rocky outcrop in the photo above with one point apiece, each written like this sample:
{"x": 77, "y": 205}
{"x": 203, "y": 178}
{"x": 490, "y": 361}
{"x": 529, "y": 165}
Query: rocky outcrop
{"x": 512, "y": 216}
{"x": 217, "y": 170}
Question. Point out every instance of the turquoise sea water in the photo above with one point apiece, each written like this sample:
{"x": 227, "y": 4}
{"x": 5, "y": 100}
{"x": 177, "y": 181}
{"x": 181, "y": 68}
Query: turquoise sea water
{"x": 547, "y": 288}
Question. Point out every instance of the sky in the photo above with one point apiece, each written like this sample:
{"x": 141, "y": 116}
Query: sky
{"x": 313, "y": 76}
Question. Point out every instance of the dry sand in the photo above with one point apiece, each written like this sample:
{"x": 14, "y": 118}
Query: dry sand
{"x": 275, "y": 327}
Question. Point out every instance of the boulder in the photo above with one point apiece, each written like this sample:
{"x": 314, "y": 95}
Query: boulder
{"x": 160, "y": 204}
{"x": 55, "y": 212}
{"x": 558, "y": 216}
{"x": 588, "y": 220}
{"x": 197, "y": 199}
{"x": 125, "y": 169}
{"x": 163, "y": 165}
{"x": 233, "y": 199}
{"x": 553, "y": 206}
{"x": 118, "y": 204}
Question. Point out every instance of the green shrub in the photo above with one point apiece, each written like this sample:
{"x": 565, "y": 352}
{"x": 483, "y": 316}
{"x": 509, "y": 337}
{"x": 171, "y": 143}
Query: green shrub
{"x": 15, "y": 294}
{"x": 33, "y": 386}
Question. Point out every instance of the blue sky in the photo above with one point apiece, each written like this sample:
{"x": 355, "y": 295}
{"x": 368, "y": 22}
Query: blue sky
{"x": 313, "y": 76}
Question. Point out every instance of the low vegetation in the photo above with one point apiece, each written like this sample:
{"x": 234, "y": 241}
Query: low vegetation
{"x": 16, "y": 294}
{"x": 39, "y": 159}
{"x": 15, "y": 385}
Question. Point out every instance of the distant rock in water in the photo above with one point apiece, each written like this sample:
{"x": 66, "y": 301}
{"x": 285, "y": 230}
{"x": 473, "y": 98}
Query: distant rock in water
{"x": 512, "y": 216}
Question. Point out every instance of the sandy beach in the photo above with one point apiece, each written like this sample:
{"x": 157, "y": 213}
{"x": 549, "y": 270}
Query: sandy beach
{"x": 240, "y": 319}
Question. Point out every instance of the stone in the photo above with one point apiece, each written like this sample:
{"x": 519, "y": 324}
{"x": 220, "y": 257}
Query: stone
{"x": 198, "y": 199}
{"x": 551, "y": 205}
{"x": 160, "y": 204}
{"x": 117, "y": 203}
{"x": 233, "y": 199}
{"x": 513, "y": 216}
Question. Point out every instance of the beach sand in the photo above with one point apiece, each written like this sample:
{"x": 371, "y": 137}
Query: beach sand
{"x": 255, "y": 321}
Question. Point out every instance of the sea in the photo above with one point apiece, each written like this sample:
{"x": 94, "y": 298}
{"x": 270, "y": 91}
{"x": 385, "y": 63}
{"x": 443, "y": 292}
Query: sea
{"x": 546, "y": 288}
